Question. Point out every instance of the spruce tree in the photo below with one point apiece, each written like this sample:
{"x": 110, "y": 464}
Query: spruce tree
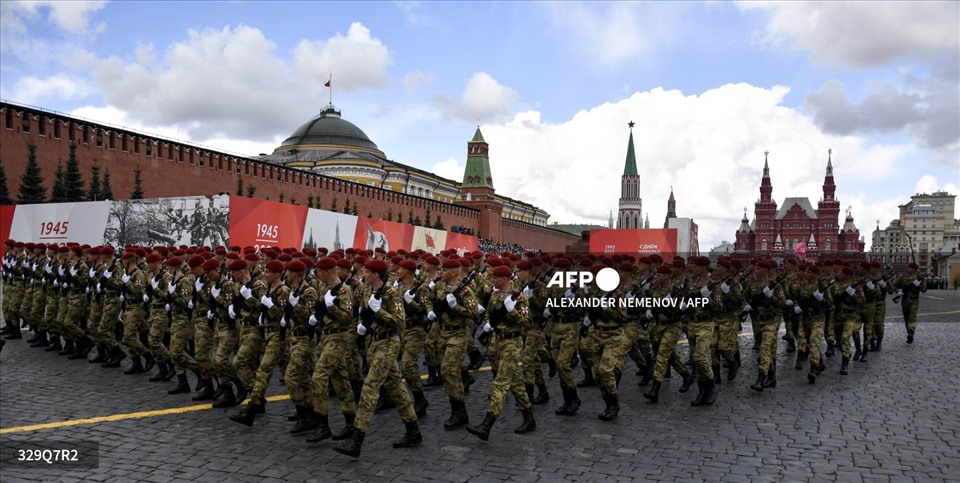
{"x": 239, "y": 186}
{"x": 58, "y": 194}
{"x": 251, "y": 189}
{"x": 439, "y": 224}
{"x": 399, "y": 217}
{"x": 354, "y": 209}
{"x": 310, "y": 201}
{"x": 72, "y": 179}
{"x": 31, "y": 183}
{"x": 107, "y": 192}
{"x": 333, "y": 207}
{"x": 293, "y": 200}
{"x": 410, "y": 217}
{"x": 346, "y": 207}
{"x": 390, "y": 215}
{"x": 281, "y": 197}
{"x": 427, "y": 221}
{"x": 94, "y": 193}
{"x": 137, "y": 185}
{"x": 4, "y": 191}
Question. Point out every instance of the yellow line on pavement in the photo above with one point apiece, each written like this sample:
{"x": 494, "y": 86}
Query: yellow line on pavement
{"x": 179, "y": 410}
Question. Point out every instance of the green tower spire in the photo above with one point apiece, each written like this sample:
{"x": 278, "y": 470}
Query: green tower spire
{"x": 477, "y": 172}
{"x": 630, "y": 168}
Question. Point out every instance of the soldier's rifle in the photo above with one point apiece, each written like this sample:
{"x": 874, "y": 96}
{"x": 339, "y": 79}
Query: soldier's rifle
{"x": 440, "y": 307}
{"x": 757, "y": 301}
{"x": 320, "y": 310}
{"x": 367, "y": 315}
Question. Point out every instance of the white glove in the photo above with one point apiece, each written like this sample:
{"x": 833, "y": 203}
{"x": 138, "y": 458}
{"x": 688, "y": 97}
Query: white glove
{"x": 451, "y": 300}
{"x": 724, "y": 287}
{"x": 43, "y": 281}
{"x": 92, "y": 272}
{"x": 416, "y": 273}
{"x": 870, "y": 285}
{"x": 122, "y": 298}
{"x": 431, "y": 316}
{"x": 818, "y": 295}
{"x": 649, "y": 314}
{"x": 705, "y": 292}
{"x": 768, "y": 292}
{"x": 266, "y": 301}
{"x": 73, "y": 271}
{"x": 66, "y": 285}
{"x": 528, "y": 292}
{"x": 851, "y": 291}
{"x": 245, "y": 292}
{"x": 408, "y": 297}
{"x": 87, "y": 290}
{"x": 916, "y": 283}
{"x": 361, "y": 330}
{"x": 546, "y": 313}
{"x": 230, "y": 312}
{"x": 260, "y": 320}
{"x": 747, "y": 308}
{"x": 108, "y": 273}
{"x": 146, "y": 299}
{"x": 210, "y": 314}
{"x": 166, "y": 307}
{"x": 98, "y": 287}
{"x": 34, "y": 267}
{"x": 125, "y": 278}
{"x": 789, "y": 303}
{"x": 510, "y": 304}
{"x": 190, "y": 304}
{"x": 396, "y": 283}
{"x": 56, "y": 283}
{"x": 120, "y": 317}
{"x": 312, "y": 321}
{"x": 797, "y": 310}
{"x": 283, "y": 321}
{"x": 432, "y": 284}
{"x": 900, "y": 293}
{"x": 631, "y": 296}
{"x": 216, "y": 291}
{"x": 198, "y": 285}
{"x": 481, "y": 309}
{"x": 48, "y": 269}
{"x": 328, "y": 299}
{"x": 568, "y": 294}
{"x": 173, "y": 287}
{"x": 155, "y": 282}
{"x": 487, "y": 327}
{"x": 60, "y": 271}
{"x": 883, "y": 284}
{"x": 374, "y": 303}
{"x": 586, "y": 321}
{"x": 293, "y": 300}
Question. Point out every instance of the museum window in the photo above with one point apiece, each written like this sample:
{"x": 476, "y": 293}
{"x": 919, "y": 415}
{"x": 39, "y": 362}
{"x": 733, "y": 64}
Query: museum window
{"x": 42, "y": 126}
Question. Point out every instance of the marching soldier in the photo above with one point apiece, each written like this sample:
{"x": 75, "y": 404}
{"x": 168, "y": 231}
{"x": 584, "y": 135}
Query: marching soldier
{"x": 454, "y": 310}
{"x": 665, "y": 333}
{"x": 246, "y": 310}
{"x": 226, "y": 300}
{"x": 534, "y": 339}
{"x": 909, "y": 287}
{"x": 847, "y": 300}
{"x": 205, "y": 324}
{"x": 701, "y": 324}
{"x": 765, "y": 302}
{"x": 180, "y": 293}
{"x": 132, "y": 297}
{"x": 417, "y": 298}
{"x": 431, "y": 345}
{"x": 611, "y": 354}
{"x": 810, "y": 301}
{"x": 76, "y": 281}
{"x": 155, "y": 297}
{"x": 726, "y": 343}
{"x": 566, "y": 340}
{"x": 880, "y": 306}
{"x": 300, "y": 307}
{"x": 110, "y": 285}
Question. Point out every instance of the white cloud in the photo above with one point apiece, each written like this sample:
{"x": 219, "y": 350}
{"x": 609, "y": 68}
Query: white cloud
{"x": 412, "y": 13}
{"x": 72, "y": 17}
{"x": 34, "y": 90}
{"x": 450, "y": 169}
{"x": 930, "y": 184}
{"x": 709, "y": 147}
{"x": 861, "y": 34}
{"x": 417, "y": 79}
{"x": 357, "y": 60}
{"x": 483, "y": 99}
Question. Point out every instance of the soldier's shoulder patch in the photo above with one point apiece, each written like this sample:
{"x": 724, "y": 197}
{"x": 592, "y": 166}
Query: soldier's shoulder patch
{"x": 343, "y": 290}
{"x": 390, "y": 291}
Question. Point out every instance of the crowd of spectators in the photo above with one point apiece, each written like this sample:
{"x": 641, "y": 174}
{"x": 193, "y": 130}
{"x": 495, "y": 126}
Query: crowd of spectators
{"x": 463, "y": 230}
{"x": 490, "y": 246}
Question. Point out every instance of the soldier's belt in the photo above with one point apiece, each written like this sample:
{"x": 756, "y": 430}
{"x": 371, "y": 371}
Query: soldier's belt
{"x": 508, "y": 335}
{"x": 333, "y": 331}
{"x": 270, "y": 330}
{"x": 250, "y": 323}
{"x": 384, "y": 335}
{"x": 157, "y": 306}
{"x": 608, "y": 328}
{"x": 301, "y": 332}
{"x": 451, "y": 327}
{"x": 411, "y": 324}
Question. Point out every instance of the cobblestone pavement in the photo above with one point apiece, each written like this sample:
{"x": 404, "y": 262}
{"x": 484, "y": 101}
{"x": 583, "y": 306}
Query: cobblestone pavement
{"x": 894, "y": 418}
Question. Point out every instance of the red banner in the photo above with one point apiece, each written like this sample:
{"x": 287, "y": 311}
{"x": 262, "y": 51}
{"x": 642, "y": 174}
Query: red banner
{"x": 6, "y": 220}
{"x": 372, "y": 234}
{"x": 262, "y": 223}
{"x": 633, "y": 242}
{"x": 458, "y": 241}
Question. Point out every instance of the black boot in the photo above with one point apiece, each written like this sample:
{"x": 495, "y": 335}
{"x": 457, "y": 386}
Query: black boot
{"x": 118, "y": 355}
{"x": 14, "y": 333}
{"x": 856, "y": 345}
{"x": 68, "y": 348}
{"x": 653, "y": 395}
{"x": 411, "y": 437}
{"x": 136, "y": 368}
{"x": 844, "y": 366}
{"x": 308, "y": 420}
{"x": 476, "y": 359}
{"x": 207, "y": 393}
{"x": 182, "y": 386}
{"x": 562, "y": 410}
{"x": 551, "y": 367}
{"x": 734, "y": 367}
{"x": 688, "y": 381}
{"x": 799, "y": 364}
{"x": 352, "y": 448}
{"x": 588, "y": 379}
{"x": 482, "y": 431}
{"x": 771, "y": 381}
{"x": 322, "y": 430}
{"x": 543, "y": 396}
{"x": 245, "y": 416}
{"x": 420, "y": 404}
{"x": 458, "y": 416}
{"x": 101, "y": 355}
{"x": 829, "y": 349}
{"x": 910, "y": 337}
{"x": 812, "y": 375}
{"x": 149, "y": 362}
{"x": 384, "y": 402}
{"x": 433, "y": 377}
{"x": 791, "y": 346}
{"x": 528, "y": 424}
{"x": 39, "y": 340}
{"x": 716, "y": 373}
{"x": 55, "y": 345}
{"x": 873, "y": 345}
{"x": 242, "y": 391}
{"x": 84, "y": 345}
{"x": 161, "y": 376}
{"x": 879, "y": 343}
{"x": 758, "y": 386}
{"x": 612, "y": 409}
{"x": 228, "y": 399}
{"x": 219, "y": 392}
{"x": 863, "y": 356}
{"x": 348, "y": 429}
{"x": 200, "y": 380}
{"x": 468, "y": 380}
{"x": 296, "y": 415}
{"x": 710, "y": 388}
{"x": 529, "y": 388}
{"x": 647, "y": 375}
{"x": 701, "y": 394}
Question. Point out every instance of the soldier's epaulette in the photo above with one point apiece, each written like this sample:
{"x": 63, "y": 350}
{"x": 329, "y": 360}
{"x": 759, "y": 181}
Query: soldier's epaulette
{"x": 343, "y": 290}
{"x": 390, "y": 291}
{"x": 519, "y": 296}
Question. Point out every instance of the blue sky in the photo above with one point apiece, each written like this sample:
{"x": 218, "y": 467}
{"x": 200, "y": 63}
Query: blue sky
{"x": 710, "y": 85}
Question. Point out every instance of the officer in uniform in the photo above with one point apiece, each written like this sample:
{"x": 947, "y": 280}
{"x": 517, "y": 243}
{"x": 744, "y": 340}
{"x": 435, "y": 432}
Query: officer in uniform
{"x": 300, "y": 307}
{"x": 132, "y": 293}
{"x": 454, "y": 309}
{"x": 380, "y": 322}
{"x": 417, "y": 299}
{"x": 909, "y": 287}
{"x": 155, "y": 296}
{"x": 181, "y": 292}
{"x": 765, "y": 302}
{"x": 847, "y": 299}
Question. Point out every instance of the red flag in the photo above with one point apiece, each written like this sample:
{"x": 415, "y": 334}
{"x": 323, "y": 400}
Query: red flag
{"x": 430, "y": 243}
{"x": 327, "y": 84}
{"x": 802, "y": 250}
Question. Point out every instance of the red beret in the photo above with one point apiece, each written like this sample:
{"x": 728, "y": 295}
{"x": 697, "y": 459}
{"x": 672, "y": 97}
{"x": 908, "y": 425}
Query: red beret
{"x": 914, "y": 266}
{"x": 275, "y": 266}
{"x": 233, "y": 256}
{"x": 524, "y": 265}
{"x": 195, "y": 261}
{"x": 655, "y": 258}
{"x": 513, "y": 257}
{"x": 646, "y": 260}
{"x": 238, "y": 265}
{"x": 813, "y": 269}
{"x": 381, "y": 250}
{"x": 724, "y": 262}
{"x": 190, "y": 251}
{"x": 664, "y": 269}
{"x": 585, "y": 261}
{"x": 220, "y": 251}
{"x": 284, "y": 257}
{"x": 453, "y": 256}
{"x": 350, "y": 251}
{"x": 63, "y": 249}
{"x": 235, "y": 248}
{"x": 206, "y": 255}
{"x": 875, "y": 264}
{"x": 94, "y": 251}
{"x": 129, "y": 254}
{"x": 451, "y": 264}
{"x": 432, "y": 260}
{"x": 408, "y": 264}
{"x": 396, "y": 259}
{"x": 464, "y": 262}
{"x": 310, "y": 252}
{"x": 495, "y": 262}
{"x": 154, "y": 258}
{"x": 326, "y": 263}
{"x": 413, "y": 256}
{"x": 251, "y": 257}
{"x": 536, "y": 262}
{"x": 336, "y": 255}
{"x": 865, "y": 265}
{"x": 502, "y": 271}
{"x": 736, "y": 264}
{"x": 679, "y": 263}
{"x": 323, "y": 250}
{"x": 10, "y": 243}
{"x": 77, "y": 249}
{"x": 269, "y": 252}
{"x": 359, "y": 259}
{"x": 847, "y": 271}
{"x": 702, "y": 261}
{"x": 476, "y": 256}
{"x": 296, "y": 266}
{"x": 562, "y": 263}
{"x": 617, "y": 258}
{"x": 249, "y": 250}
{"x": 179, "y": 253}
{"x": 287, "y": 250}
{"x": 828, "y": 263}
{"x": 161, "y": 250}
{"x": 596, "y": 268}
{"x": 344, "y": 263}
{"x": 626, "y": 267}
{"x": 608, "y": 261}
{"x": 297, "y": 254}
{"x": 174, "y": 262}
{"x": 376, "y": 266}
{"x": 107, "y": 250}
{"x": 211, "y": 264}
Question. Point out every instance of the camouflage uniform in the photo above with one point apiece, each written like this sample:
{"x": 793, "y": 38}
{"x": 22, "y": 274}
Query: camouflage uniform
{"x": 767, "y": 312}
{"x": 725, "y": 341}
{"x": 275, "y": 347}
{"x": 110, "y": 287}
{"x": 203, "y": 326}
{"x": 95, "y": 273}
{"x": 454, "y": 336}
{"x": 335, "y": 330}
{"x": 910, "y": 301}
{"x": 611, "y": 351}
{"x": 566, "y": 338}
{"x": 848, "y": 313}
{"x": 156, "y": 290}
{"x": 181, "y": 329}
{"x": 77, "y": 306}
{"x": 299, "y": 371}
{"x": 134, "y": 316}
{"x": 509, "y": 327}
{"x": 813, "y": 301}
{"x": 228, "y": 333}
{"x": 880, "y": 308}
{"x": 413, "y": 336}
{"x": 247, "y": 358}
{"x": 701, "y": 324}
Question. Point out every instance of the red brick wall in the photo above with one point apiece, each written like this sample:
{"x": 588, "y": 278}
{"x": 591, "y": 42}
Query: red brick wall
{"x": 162, "y": 176}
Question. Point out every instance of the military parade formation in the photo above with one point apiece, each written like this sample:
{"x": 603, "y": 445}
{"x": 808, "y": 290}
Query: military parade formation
{"x": 355, "y": 324}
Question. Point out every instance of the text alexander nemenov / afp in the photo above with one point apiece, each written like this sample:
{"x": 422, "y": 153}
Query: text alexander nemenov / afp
{"x": 628, "y": 302}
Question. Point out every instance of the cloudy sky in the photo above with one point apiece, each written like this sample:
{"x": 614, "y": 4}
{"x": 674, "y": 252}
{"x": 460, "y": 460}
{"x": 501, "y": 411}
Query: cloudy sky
{"x": 711, "y": 86}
